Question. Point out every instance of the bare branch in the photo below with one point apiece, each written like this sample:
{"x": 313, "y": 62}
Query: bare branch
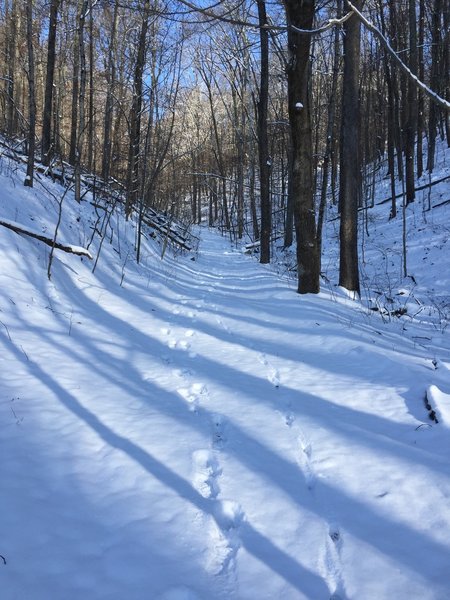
{"x": 46, "y": 240}
{"x": 398, "y": 61}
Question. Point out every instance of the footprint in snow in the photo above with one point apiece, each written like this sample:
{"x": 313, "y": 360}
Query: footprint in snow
{"x": 165, "y": 331}
{"x": 228, "y": 514}
{"x": 305, "y": 462}
{"x": 181, "y": 344}
{"x": 273, "y": 375}
{"x": 193, "y": 394}
{"x": 206, "y": 470}
{"x": 181, "y": 373}
{"x": 334, "y": 533}
{"x": 332, "y": 562}
{"x": 289, "y": 419}
{"x": 189, "y": 333}
{"x": 222, "y": 324}
{"x": 218, "y": 431}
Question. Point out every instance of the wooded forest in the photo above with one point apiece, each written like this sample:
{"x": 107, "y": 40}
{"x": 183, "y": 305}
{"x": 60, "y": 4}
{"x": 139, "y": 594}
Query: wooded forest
{"x": 251, "y": 116}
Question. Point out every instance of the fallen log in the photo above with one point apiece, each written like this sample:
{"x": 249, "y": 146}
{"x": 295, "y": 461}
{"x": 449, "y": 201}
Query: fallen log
{"x": 165, "y": 230}
{"x": 20, "y": 229}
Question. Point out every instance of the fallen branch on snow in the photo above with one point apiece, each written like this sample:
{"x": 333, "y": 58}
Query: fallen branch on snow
{"x": 46, "y": 240}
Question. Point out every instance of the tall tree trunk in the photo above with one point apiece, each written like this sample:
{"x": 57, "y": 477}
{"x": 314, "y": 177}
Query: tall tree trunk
{"x": 434, "y": 81}
{"x": 31, "y": 97}
{"x": 420, "y": 99}
{"x": 350, "y": 174}
{"x": 111, "y": 80}
{"x": 330, "y": 130}
{"x": 14, "y": 21}
{"x": 75, "y": 89}
{"x": 47, "y": 148}
{"x": 135, "y": 116}
{"x": 300, "y": 14}
{"x": 263, "y": 142}
{"x": 411, "y": 106}
{"x": 253, "y": 211}
{"x": 446, "y": 69}
{"x": 91, "y": 124}
{"x": 81, "y": 98}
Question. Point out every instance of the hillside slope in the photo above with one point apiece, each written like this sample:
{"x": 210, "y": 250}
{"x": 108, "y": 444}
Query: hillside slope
{"x": 193, "y": 429}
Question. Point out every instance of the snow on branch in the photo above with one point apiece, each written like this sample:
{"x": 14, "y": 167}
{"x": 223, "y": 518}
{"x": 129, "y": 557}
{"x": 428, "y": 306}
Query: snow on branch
{"x": 386, "y": 45}
{"x": 17, "y": 228}
{"x": 225, "y": 17}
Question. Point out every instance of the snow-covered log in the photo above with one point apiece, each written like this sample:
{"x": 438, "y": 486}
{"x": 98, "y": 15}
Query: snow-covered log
{"x": 17, "y": 228}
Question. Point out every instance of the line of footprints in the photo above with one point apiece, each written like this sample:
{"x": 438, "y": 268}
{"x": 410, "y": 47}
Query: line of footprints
{"x": 226, "y": 516}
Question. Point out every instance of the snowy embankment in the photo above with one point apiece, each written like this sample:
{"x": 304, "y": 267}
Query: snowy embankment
{"x": 193, "y": 429}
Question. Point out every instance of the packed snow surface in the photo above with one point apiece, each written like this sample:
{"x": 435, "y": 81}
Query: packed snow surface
{"x": 194, "y": 429}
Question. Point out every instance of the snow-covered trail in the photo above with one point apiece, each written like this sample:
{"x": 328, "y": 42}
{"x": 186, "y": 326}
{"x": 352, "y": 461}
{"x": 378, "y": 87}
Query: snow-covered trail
{"x": 204, "y": 432}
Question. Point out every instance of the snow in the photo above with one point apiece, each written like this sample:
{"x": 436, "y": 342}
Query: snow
{"x": 33, "y": 232}
{"x": 195, "y": 430}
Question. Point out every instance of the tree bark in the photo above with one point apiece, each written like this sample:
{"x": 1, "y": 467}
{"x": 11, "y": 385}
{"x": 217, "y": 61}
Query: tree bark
{"x": 47, "y": 118}
{"x": 31, "y": 97}
{"x": 350, "y": 173}
{"x": 111, "y": 80}
{"x": 263, "y": 141}
{"x": 300, "y": 14}
{"x": 135, "y": 116}
{"x": 411, "y": 106}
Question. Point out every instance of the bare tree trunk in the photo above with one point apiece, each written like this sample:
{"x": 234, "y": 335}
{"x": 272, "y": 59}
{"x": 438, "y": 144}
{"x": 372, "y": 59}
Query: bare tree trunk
{"x": 75, "y": 89}
{"x": 135, "y": 116}
{"x": 111, "y": 80}
{"x": 434, "y": 81}
{"x": 446, "y": 69}
{"x": 420, "y": 99}
{"x": 47, "y": 119}
{"x": 31, "y": 97}
{"x": 90, "y": 159}
{"x": 14, "y": 22}
{"x": 263, "y": 142}
{"x": 350, "y": 174}
{"x": 253, "y": 210}
{"x": 330, "y": 131}
{"x": 411, "y": 106}
{"x": 300, "y": 14}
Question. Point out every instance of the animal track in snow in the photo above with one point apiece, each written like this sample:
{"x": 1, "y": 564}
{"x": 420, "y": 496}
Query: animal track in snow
{"x": 289, "y": 419}
{"x": 332, "y": 562}
{"x": 193, "y": 394}
{"x": 181, "y": 344}
{"x": 218, "y": 431}
{"x": 222, "y": 324}
{"x": 206, "y": 471}
{"x": 305, "y": 462}
{"x": 273, "y": 375}
{"x": 333, "y": 541}
{"x": 228, "y": 514}
{"x": 182, "y": 373}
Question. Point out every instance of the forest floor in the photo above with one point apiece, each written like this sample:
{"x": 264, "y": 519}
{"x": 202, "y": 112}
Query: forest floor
{"x": 191, "y": 428}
